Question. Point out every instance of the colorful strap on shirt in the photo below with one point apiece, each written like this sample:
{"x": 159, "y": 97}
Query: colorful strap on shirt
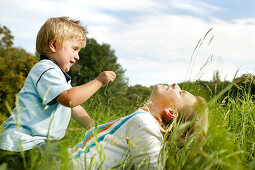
{"x": 103, "y": 130}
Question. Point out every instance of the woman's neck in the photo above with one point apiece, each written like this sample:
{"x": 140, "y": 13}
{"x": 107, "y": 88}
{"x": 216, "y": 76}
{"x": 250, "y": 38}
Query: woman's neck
{"x": 156, "y": 113}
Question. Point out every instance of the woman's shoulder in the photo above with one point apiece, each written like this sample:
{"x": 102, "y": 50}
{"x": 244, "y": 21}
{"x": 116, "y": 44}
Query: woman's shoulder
{"x": 140, "y": 113}
{"x": 143, "y": 118}
{"x": 143, "y": 124}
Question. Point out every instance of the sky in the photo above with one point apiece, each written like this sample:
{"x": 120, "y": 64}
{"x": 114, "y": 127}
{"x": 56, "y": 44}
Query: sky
{"x": 156, "y": 41}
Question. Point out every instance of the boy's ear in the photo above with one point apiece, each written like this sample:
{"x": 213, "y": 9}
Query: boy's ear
{"x": 52, "y": 45}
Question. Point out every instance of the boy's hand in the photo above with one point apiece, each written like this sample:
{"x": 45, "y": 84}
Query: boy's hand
{"x": 79, "y": 94}
{"x": 106, "y": 77}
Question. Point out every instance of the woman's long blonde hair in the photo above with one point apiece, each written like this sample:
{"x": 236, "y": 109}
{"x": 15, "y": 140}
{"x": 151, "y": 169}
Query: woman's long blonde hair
{"x": 196, "y": 114}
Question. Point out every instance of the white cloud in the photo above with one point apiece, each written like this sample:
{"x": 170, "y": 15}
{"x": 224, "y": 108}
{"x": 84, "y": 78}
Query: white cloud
{"x": 155, "y": 47}
{"x": 235, "y": 40}
{"x": 197, "y": 7}
{"x": 171, "y": 38}
{"x": 245, "y": 21}
{"x": 141, "y": 5}
{"x": 151, "y": 72}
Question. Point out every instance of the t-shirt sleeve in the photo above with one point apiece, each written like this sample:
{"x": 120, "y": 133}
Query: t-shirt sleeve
{"x": 145, "y": 143}
{"x": 50, "y": 84}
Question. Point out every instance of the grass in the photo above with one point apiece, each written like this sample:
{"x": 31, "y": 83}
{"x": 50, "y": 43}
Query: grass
{"x": 229, "y": 143}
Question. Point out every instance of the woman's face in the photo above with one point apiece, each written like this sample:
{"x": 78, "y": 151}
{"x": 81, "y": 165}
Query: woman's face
{"x": 171, "y": 96}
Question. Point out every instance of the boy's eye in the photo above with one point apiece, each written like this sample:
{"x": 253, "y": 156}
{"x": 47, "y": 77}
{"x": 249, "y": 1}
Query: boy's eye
{"x": 75, "y": 48}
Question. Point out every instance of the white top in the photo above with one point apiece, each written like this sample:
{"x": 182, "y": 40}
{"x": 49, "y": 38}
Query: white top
{"x": 132, "y": 140}
{"x": 37, "y": 114}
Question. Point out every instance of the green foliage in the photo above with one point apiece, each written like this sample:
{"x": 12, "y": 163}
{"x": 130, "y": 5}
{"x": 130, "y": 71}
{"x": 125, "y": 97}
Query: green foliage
{"x": 6, "y": 39}
{"x": 94, "y": 59}
{"x": 14, "y": 68}
{"x": 137, "y": 95}
{"x": 229, "y": 143}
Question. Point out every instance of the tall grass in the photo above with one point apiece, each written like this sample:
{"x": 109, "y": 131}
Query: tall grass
{"x": 229, "y": 143}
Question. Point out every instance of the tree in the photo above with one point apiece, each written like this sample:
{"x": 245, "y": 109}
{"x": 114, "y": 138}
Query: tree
{"x": 15, "y": 64}
{"x": 94, "y": 59}
{"x": 6, "y": 39}
{"x": 138, "y": 94}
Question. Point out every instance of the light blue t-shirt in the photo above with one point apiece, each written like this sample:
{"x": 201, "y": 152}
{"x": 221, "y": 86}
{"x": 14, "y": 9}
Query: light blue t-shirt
{"x": 37, "y": 115}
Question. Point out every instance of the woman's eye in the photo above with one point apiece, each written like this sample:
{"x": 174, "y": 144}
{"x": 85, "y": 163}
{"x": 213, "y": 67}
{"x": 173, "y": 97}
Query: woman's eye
{"x": 182, "y": 92}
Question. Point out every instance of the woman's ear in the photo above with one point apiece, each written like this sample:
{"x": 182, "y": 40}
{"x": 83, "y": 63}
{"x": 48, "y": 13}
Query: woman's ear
{"x": 52, "y": 46}
{"x": 169, "y": 114}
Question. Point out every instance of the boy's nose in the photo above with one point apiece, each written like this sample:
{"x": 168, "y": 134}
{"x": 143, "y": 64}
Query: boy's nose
{"x": 77, "y": 57}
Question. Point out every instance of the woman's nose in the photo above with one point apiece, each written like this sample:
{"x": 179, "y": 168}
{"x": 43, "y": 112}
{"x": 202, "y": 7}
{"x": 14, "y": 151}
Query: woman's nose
{"x": 176, "y": 86}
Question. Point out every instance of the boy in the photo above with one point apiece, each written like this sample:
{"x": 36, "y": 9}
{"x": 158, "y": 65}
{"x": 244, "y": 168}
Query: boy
{"x": 43, "y": 109}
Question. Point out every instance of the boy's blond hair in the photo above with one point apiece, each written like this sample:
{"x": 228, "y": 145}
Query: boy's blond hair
{"x": 59, "y": 29}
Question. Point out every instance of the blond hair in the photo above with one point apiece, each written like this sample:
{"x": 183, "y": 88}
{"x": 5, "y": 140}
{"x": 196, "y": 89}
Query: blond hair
{"x": 59, "y": 29}
{"x": 198, "y": 111}
{"x": 196, "y": 115}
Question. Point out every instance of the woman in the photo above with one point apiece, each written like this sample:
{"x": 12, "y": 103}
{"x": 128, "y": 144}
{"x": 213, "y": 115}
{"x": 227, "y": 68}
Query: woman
{"x": 136, "y": 140}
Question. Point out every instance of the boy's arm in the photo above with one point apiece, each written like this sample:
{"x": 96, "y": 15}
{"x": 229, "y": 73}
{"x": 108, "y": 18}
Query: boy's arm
{"x": 82, "y": 117}
{"x": 79, "y": 94}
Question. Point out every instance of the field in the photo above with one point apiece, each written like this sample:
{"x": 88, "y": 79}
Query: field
{"x": 229, "y": 143}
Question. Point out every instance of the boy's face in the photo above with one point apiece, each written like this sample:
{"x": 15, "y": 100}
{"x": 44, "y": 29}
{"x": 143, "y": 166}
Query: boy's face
{"x": 66, "y": 56}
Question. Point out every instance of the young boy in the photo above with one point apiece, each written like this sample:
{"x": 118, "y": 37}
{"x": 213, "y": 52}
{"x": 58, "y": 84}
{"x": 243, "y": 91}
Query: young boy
{"x": 44, "y": 103}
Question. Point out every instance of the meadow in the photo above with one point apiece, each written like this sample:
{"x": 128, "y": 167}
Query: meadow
{"x": 229, "y": 143}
